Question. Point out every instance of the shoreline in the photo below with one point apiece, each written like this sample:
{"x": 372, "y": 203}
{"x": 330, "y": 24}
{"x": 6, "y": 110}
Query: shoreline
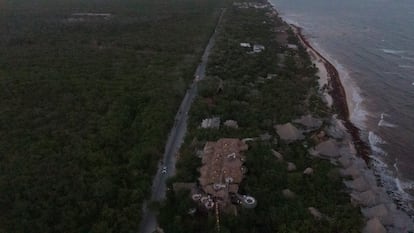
{"x": 338, "y": 94}
{"x": 394, "y": 218}
{"x": 325, "y": 147}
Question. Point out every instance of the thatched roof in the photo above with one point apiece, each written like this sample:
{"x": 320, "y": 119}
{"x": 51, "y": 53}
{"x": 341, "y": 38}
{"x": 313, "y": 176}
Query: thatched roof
{"x": 367, "y": 198}
{"x": 402, "y": 221}
{"x": 291, "y": 166}
{"x": 336, "y": 129}
{"x": 348, "y": 151}
{"x": 288, "y": 132}
{"x": 208, "y": 152}
{"x": 231, "y": 124}
{"x": 309, "y": 122}
{"x": 222, "y": 167}
{"x": 345, "y": 162}
{"x": 308, "y": 171}
{"x": 369, "y": 177}
{"x": 328, "y": 148}
{"x": 213, "y": 122}
{"x": 287, "y": 193}
{"x": 374, "y": 226}
{"x": 358, "y": 184}
{"x": 379, "y": 211}
{"x": 353, "y": 171}
{"x": 233, "y": 188}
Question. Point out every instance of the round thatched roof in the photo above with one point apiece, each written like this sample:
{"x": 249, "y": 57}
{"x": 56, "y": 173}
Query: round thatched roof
{"x": 367, "y": 198}
{"x": 374, "y": 226}
{"x": 309, "y": 122}
{"x": 328, "y": 148}
{"x": 358, "y": 184}
{"x": 289, "y": 132}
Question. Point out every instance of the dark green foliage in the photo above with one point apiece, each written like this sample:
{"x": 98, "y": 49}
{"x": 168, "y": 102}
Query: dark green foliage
{"x": 86, "y": 106}
{"x": 208, "y": 87}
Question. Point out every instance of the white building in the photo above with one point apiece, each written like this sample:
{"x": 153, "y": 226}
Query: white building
{"x": 211, "y": 123}
{"x": 292, "y": 46}
{"x": 257, "y": 48}
{"x": 245, "y": 45}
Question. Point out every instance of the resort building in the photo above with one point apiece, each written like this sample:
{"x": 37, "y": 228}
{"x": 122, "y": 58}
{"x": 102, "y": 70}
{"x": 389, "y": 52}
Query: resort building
{"x": 213, "y": 122}
{"x": 257, "y": 48}
{"x": 222, "y": 172}
{"x": 245, "y": 45}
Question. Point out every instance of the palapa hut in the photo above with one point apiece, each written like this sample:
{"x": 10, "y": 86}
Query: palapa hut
{"x": 379, "y": 211}
{"x": 289, "y": 132}
{"x": 359, "y": 184}
{"x": 309, "y": 122}
{"x": 367, "y": 198}
{"x": 328, "y": 148}
{"x": 374, "y": 226}
{"x": 352, "y": 170}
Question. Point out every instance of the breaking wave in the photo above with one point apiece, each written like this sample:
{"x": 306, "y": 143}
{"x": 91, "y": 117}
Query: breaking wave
{"x": 387, "y": 172}
{"x": 406, "y": 66}
{"x": 383, "y": 123}
{"x": 407, "y": 58}
{"x": 375, "y": 141}
{"x": 392, "y": 51}
{"x": 395, "y": 186}
{"x": 371, "y": 65}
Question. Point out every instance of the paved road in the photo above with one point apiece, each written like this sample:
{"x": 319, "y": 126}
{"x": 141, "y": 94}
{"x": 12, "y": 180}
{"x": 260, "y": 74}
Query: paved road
{"x": 175, "y": 139}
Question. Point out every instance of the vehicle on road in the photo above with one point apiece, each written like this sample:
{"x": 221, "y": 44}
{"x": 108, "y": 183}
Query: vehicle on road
{"x": 164, "y": 170}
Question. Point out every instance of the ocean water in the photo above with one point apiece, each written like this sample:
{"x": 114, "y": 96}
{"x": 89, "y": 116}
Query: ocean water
{"x": 371, "y": 43}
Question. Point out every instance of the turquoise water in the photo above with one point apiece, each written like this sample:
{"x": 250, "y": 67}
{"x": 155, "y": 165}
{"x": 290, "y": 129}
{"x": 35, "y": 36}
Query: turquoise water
{"x": 371, "y": 42}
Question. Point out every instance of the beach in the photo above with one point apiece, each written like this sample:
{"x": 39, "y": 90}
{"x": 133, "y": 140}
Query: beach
{"x": 335, "y": 91}
{"x": 306, "y": 161}
{"x": 380, "y": 212}
{"x": 374, "y": 57}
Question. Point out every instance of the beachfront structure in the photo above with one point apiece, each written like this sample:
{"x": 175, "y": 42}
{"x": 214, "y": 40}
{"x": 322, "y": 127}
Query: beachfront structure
{"x": 292, "y": 46}
{"x": 222, "y": 172}
{"x": 257, "y": 48}
{"x": 213, "y": 122}
{"x": 231, "y": 124}
{"x": 245, "y": 45}
{"x": 289, "y": 132}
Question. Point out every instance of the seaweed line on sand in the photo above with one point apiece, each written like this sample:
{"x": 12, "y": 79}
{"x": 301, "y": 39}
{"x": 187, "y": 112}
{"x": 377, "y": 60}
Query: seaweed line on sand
{"x": 339, "y": 98}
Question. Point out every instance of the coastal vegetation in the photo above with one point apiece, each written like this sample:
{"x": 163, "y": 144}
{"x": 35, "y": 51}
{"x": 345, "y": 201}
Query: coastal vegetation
{"x": 89, "y": 90}
{"x": 258, "y": 91}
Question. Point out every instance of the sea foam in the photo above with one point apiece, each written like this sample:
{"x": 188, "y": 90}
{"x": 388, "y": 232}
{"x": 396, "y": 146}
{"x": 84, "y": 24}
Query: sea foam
{"x": 406, "y": 67}
{"x": 375, "y": 141}
{"x": 383, "y": 123}
{"x": 392, "y": 51}
{"x": 407, "y": 58}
